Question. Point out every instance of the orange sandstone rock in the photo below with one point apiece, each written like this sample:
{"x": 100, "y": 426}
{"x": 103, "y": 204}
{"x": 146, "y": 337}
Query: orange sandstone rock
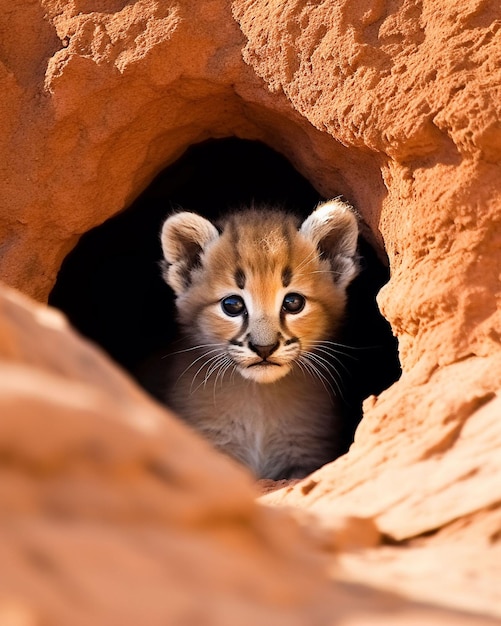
{"x": 394, "y": 105}
{"x": 113, "y": 512}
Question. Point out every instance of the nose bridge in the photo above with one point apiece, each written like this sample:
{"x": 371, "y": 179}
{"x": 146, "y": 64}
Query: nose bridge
{"x": 264, "y": 326}
{"x": 263, "y": 331}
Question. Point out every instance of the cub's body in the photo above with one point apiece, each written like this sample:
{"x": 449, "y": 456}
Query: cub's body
{"x": 259, "y": 300}
{"x": 284, "y": 429}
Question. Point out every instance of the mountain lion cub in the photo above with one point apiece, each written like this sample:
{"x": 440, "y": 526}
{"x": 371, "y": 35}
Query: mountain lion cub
{"x": 260, "y": 298}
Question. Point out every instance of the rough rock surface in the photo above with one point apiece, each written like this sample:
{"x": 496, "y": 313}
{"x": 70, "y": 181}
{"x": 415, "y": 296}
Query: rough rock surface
{"x": 393, "y": 103}
{"x": 106, "y": 517}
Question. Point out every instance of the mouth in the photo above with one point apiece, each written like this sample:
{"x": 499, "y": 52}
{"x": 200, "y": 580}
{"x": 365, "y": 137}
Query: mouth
{"x": 265, "y": 371}
{"x": 264, "y": 364}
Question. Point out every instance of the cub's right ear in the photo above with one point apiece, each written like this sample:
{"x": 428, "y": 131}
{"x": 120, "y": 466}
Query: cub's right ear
{"x": 333, "y": 228}
{"x": 184, "y": 237}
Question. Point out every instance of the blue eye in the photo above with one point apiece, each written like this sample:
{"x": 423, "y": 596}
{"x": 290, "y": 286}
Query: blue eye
{"x": 293, "y": 303}
{"x": 233, "y": 306}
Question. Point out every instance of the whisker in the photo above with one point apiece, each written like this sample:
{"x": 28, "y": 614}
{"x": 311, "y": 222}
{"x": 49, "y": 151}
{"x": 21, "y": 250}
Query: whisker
{"x": 332, "y": 372}
{"x": 204, "y": 365}
{"x": 202, "y": 383}
{"x": 301, "y": 367}
{"x": 223, "y": 366}
{"x": 326, "y": 272}
{"x": 202, "y": 345}
{"x": 317, "y": 374}
{"x": 322, "y": 363}
{"x": 202, "y": 356}
{"x": 332, "y": 356}
{"x": 226, "y": 368}
{"x": 343, "y": 345}
{"x": 316, "y": 351}
{"x": 307, "y": 260}
{"x": 335, "y": 353}
{"x": 318, "y": 272}
{"x": 215, "y": 366}
{"x": 222, "y": 371}
{"x": 215, "y": 357}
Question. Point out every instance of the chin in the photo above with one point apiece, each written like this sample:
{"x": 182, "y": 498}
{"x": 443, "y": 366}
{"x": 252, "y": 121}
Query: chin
{"x": 265, "y": 373}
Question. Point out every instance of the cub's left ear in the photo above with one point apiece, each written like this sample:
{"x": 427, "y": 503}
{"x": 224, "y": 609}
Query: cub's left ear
{"x": 333, "y": 228}
{"x": 184, "y": 237}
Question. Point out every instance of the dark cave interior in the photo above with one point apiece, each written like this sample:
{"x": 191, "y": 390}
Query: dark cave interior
{"x": 111, "y": 289}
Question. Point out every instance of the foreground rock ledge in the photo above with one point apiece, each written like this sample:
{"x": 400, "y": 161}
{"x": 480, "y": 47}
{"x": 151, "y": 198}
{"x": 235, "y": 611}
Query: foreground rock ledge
{"x": 114, "y": 513}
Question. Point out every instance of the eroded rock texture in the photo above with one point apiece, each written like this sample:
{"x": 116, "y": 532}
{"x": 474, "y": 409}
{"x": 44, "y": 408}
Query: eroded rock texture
{"x": 113, "y": 513}
{"x": 394, "y": 104}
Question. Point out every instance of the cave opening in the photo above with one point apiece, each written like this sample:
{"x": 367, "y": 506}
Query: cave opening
{"x": 111, "y": 289}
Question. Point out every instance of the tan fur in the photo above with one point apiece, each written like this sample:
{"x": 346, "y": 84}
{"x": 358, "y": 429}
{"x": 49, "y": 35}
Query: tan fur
{"x": 269, "y": 411}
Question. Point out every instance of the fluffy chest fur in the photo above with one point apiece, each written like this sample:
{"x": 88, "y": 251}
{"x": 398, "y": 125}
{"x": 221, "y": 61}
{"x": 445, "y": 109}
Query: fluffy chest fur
{"x": 285, "y": 429}
{"x": 260, "y": 300}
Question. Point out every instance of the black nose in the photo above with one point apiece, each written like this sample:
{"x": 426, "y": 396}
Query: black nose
{"x": 264, "y": 351}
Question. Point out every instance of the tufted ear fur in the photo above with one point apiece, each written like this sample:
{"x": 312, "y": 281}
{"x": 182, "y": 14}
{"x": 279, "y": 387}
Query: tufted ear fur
{"x": 184, "y": 237}
{"x": 333, "y": 228}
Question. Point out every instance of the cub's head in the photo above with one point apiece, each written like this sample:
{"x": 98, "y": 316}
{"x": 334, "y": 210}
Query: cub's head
{"x": 262, "y": 291}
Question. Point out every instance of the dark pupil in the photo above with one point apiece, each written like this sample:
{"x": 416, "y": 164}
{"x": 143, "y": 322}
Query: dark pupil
{"x": 293, "y": 302}
{"x": 233, "y": 305}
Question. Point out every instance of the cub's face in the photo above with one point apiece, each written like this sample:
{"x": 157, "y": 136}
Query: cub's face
{"x": 262, "y": 294}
